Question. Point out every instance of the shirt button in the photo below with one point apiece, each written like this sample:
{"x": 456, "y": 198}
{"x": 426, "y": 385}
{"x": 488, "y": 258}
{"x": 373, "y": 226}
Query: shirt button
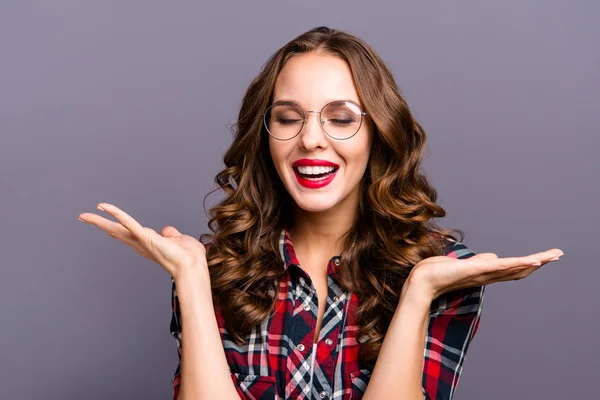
{"x": 300, "y": 347}
{"x": 328, "y": 341}
{"x": 323, "y": 395}
{"x": 335, "y": 298}
{"x": 307, "y": 307}
{"x": 336, "y": 261}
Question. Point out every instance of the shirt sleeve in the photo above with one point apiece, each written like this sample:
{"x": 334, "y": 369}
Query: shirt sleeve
{"x": 453, "y": 322}
{"x": 176, "y": 333}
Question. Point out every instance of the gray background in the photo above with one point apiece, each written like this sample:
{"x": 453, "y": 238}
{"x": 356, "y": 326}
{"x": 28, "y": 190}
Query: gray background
{"x": 128, "y": 102}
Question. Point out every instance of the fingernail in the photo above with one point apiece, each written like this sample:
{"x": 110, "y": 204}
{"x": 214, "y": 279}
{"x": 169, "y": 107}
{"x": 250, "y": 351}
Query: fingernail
{"x": 554, "y": 259}
{"x": 80, "y": 219}
{"x": 536, "y": 264}
{"x": 100, "y": 208}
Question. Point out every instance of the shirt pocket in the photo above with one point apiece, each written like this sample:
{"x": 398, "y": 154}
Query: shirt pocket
{"x": 360, "y": 379}
{"x": 254, "y": 387}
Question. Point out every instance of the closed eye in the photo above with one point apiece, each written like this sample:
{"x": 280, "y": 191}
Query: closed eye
{"x": 342, "y": 121}
{"x": 285, "y": 121}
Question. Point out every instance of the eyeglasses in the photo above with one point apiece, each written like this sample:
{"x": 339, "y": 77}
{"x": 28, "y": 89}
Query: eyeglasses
{"x": 339, "y": 120}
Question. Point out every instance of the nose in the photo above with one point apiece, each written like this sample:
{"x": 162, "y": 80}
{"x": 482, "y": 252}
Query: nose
{"x": 312, "y": 134}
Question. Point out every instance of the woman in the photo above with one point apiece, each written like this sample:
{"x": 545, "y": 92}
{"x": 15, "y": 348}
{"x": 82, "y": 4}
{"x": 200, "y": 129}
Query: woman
{"x": 325, "y": 276}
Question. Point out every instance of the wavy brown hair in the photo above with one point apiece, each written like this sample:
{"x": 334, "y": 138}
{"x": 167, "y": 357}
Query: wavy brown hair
{"x": 395, "y": 227}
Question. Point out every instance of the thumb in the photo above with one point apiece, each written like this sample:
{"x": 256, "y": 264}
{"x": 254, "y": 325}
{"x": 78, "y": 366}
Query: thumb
{"x": 485, "y": 256}
{"x": 170, "y": 231}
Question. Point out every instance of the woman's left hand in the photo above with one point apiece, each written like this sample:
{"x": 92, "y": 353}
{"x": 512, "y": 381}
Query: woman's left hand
{"x": 443, "y": 274}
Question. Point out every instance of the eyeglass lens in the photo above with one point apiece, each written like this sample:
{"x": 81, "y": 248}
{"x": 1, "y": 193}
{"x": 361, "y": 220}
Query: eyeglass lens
{"x": 340, "y": 120}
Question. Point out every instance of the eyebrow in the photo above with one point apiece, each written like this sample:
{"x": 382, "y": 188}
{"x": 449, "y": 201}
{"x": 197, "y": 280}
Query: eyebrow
{"x": 287, "y": 102}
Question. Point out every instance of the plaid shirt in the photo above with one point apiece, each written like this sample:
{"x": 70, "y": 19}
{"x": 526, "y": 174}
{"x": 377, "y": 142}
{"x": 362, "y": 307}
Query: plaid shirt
{"x": 277, "y": 360}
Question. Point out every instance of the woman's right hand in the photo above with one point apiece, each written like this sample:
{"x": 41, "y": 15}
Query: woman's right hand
{"x": 170, "y": 249}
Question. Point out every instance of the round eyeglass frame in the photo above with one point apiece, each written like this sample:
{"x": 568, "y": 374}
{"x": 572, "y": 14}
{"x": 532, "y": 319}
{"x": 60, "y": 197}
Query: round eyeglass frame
{"x": 304, "y": 119}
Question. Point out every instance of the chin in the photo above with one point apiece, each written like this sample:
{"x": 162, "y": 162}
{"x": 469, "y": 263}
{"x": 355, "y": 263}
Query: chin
{"x": 314, "y": 205}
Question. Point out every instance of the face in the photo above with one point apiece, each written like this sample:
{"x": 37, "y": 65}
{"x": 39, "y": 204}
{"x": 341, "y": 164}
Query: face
{"x": 313, "y": 80}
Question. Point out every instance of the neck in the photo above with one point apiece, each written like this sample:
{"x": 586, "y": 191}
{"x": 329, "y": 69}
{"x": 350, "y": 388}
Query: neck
{"x": 320, "y": 235}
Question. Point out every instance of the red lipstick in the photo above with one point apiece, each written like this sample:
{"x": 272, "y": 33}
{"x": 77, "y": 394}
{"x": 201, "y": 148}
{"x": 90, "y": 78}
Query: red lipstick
{"x": 317, "y": 181}
{"x": 313, "y": 162}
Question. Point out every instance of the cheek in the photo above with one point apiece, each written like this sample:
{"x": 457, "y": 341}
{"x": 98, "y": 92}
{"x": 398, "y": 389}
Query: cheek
{"x": 275, "y": 151}
{"x": 279, "y": 154}
{"x": 357, "y": 155}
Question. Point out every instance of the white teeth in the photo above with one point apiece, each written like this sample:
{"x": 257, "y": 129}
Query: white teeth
{"x": 315, "y": 170}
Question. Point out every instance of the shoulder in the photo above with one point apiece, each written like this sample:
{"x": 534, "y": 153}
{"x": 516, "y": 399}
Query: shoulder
{"x": 457, "y": 249}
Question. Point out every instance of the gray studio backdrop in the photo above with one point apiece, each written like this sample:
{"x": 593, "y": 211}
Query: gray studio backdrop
{"x": 129, "y": 102}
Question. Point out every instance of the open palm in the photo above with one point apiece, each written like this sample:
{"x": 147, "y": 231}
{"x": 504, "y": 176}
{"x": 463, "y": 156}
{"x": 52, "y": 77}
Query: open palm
{"x": 442, "y": 274}
{"x": 170, "y": 249}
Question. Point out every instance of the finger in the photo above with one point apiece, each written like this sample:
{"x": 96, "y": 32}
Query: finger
{"x": 125, "y": 219}
{"x": 114, "y": 229}
{"x": 523, "y": 273}
{"x": 170, "y": 231}
{"x": 494, "y": 277}
{"x": 518, "y": 275}
{"x": 485, "y": 256}
{"x": 508, "y": 264}
{"x": 515, "y": 276}
{"x": 117, "y": 231}
{"x": 511, "y": 268}
{"x": 547, "y": 255}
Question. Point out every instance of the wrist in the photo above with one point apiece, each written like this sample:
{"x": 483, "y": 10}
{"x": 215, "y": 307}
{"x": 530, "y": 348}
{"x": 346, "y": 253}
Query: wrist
{"x": 417, "y": 292}
{"x": 192, "y": 283}
{"x": 193, "y": 271}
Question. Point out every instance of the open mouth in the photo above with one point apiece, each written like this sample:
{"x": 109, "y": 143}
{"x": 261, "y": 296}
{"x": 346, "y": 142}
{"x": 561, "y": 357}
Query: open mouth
{"x": 315, "y": 173}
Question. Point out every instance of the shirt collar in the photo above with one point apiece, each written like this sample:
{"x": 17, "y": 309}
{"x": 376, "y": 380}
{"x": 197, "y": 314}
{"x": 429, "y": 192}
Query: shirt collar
{"x": 286, "y": 249}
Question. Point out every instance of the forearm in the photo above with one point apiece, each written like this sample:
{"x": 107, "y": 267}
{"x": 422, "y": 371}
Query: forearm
{"x": 205, "y": 373}
{"x": 399, "y": 368}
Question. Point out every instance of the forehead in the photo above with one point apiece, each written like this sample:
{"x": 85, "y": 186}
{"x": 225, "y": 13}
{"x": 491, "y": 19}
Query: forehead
{"x": 313, "y": 80}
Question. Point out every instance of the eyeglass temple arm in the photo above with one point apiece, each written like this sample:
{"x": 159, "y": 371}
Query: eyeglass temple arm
{"x": 362, "y": 113}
